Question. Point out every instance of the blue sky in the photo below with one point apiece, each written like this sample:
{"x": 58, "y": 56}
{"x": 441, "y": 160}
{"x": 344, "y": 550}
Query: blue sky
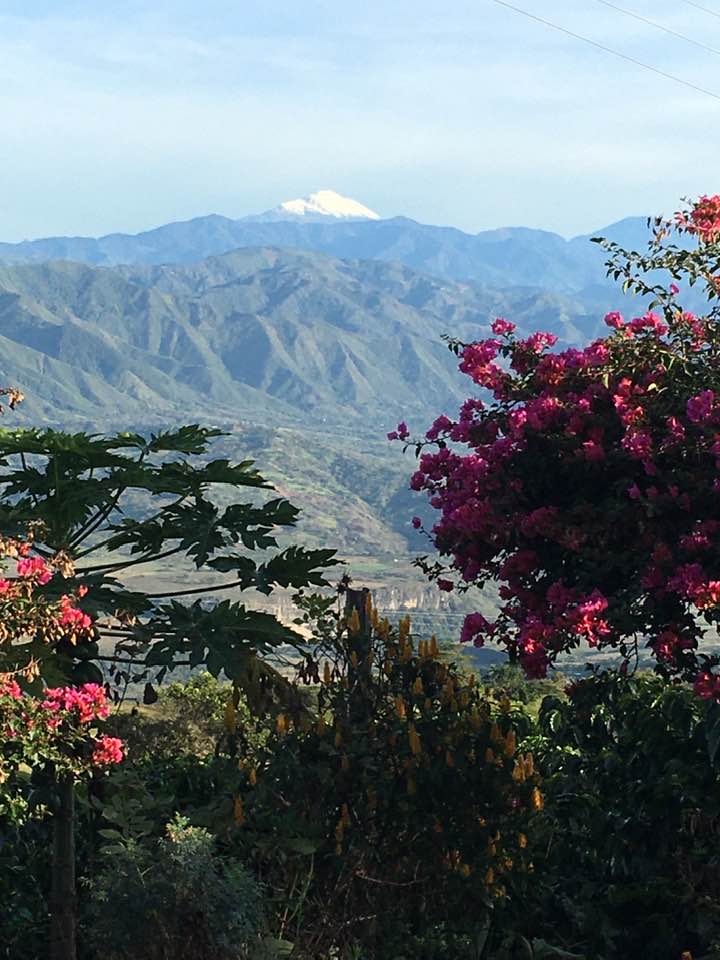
{"x": 125, "y": 115}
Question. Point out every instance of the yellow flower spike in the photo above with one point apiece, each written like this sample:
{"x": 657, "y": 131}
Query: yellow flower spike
{"x": 326, "y": 673}
{"x": 490, "y": 877}
{"x": 414, "y": 740}
{"x": 529, "y": 765}
{"x": 422, "y": 647}
{"x": 339, "y": 830}
{"x": 472, "y": 681}
{"x": 491, "y": 849}
{"x": 434, "y": 648}
{"x": 374, "y": 618}
{"x": 489, "y": 755}
{"x": 354, "y": 621}
{"x": 505, "y": 705}
{"x": 338, "y": 849}
{"x": 427, "y": 706}
{"x": 344, "y": 763}
{"x": 522, "y": 841}
{"x": 518, "y": 773}
{"x": 464, "y": 870}
{"x": 537, "y": 800}
{"x": 495, "y": 734}
{"x": 418, "y": 688}
{"x": 369, "y": 605}
{"x": 252, "y": 777}
{"x": 344, "y": 683}
{"x": 507, "y": 863}
{"x": 281, "y": 724}
{"x": 510, "y": 744}
{"x": 400, "y": 708}
{"x": 320, "y": 726}
{"x": 230, "y": 716}
{"x": 464, "y": 699}
{"x": 238, "y": 812}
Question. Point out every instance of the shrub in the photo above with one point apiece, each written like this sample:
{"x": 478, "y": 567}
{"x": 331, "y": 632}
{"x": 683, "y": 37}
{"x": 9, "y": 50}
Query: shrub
{"x": 397, "y": 811}
{"x": 631, "y": 819}
{"x": 174, "y": 898}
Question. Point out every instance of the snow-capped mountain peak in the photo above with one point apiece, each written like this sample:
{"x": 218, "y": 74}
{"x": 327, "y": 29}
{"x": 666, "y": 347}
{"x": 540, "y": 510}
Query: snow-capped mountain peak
{"x": 322, "y": 205}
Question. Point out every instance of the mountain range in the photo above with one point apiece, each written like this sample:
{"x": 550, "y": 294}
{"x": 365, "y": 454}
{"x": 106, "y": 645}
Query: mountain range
{"x": 260, "y": 332}
{"x": 344, "y": 228}
{"x": 307, "y": 332}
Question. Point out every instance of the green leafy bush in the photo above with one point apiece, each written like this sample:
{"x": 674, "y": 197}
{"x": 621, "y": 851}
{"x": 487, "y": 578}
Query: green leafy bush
{"x": 396, "y": 812}
{"x": 173, "y": 898}
{"x": 631, "y": 819}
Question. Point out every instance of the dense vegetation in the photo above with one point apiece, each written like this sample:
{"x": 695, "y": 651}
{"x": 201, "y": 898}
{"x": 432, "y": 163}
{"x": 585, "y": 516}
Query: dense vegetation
{"x": 375, "y": 799}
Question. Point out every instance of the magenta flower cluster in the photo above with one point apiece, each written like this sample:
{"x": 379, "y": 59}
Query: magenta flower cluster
{"x": 585, "y": 483}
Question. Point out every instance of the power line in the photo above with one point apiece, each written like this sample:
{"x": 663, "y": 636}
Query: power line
{"x": 615, "y": 53}
{"x": 659, "y": 26}
{"x": 699, "y": 6}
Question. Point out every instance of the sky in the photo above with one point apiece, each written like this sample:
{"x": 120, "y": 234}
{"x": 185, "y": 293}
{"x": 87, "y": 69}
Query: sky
{"x": 122, "y": 115}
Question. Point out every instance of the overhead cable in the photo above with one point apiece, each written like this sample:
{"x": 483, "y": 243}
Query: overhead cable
{"x": 615, "y": 53}
{"x": 699, "y": 6}
{"x": 660, "y": 26}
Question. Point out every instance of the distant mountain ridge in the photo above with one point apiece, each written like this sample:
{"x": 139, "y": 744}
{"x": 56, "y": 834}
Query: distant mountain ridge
{"x": 325, "y": 223}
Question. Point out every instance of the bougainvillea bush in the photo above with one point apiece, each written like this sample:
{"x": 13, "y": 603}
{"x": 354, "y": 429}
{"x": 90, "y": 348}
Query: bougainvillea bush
{"x": 57, "y": 733}
{"x": 586, "y": 482}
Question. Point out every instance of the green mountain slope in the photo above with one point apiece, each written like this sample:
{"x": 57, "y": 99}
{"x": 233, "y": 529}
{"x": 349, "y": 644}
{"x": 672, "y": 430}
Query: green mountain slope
{"x": 259, "y": 334}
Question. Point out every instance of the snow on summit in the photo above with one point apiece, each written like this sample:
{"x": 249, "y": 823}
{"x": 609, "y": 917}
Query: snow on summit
{"x": 325, "y": 204}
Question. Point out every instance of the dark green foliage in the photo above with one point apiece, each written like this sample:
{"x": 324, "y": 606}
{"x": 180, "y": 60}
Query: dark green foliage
{"x": 632, "y": 814}
{"x": 391, "y": 815}
{"x": 175, "y": 898}
{"x": 24, "y": 886}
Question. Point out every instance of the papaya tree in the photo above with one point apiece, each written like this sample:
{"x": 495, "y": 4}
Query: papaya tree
{"x": 96, "y": 510}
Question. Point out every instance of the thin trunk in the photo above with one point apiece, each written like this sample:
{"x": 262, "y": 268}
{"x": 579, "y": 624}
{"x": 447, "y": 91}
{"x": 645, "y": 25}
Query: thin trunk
{"x": 63, "y": 902}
